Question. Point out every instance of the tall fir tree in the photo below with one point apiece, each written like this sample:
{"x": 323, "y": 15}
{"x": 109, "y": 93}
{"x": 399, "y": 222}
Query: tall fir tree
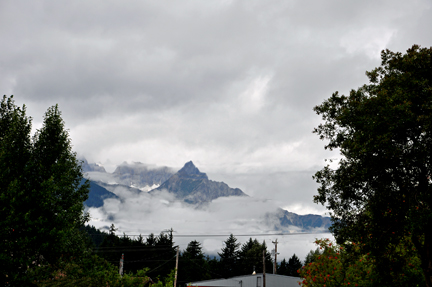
{"x": 251, "y": 258}
{"x": 229, "y": 257}
{"x": 194, "y": 266}
{"x": 294, "y": 264}
{"x": 41, "y": 199}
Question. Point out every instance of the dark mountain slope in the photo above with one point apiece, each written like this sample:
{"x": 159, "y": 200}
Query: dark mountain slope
{"x": 193, "y": 186}
{"x": 97, "y": 195}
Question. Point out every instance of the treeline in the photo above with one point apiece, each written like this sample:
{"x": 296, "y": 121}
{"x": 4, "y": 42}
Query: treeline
{"x": 42, "y": 242}
{"x": 158, "y": 254}
{"x": 43, "y": 237}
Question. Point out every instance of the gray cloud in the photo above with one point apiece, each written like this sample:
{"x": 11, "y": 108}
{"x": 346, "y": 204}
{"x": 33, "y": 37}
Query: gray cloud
{"x": 142, "y": 213}
{"x": 228, "y": 84}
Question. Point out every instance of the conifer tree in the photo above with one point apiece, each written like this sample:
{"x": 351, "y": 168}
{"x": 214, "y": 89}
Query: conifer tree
{"x": 294, "y": 264}
{"x": 41, "y": 198}
{"x": 251, "y": 256}
{"x": 229, "y": 257}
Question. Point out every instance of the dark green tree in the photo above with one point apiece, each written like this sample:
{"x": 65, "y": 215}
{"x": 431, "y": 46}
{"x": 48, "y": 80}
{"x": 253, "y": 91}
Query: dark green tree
{"x": 251, "y": 256}
{"x": 165, "y": 250}
{"x": 282, "y": 268}
{"x": 310, "y": 257}
{"x": 294, "y": 264}
{"x": 15, "y": 154}
{"x": 95, "y": 236}
{"x": 380, "y": 192}
{"x": 194, "y": 266}
{"x": 229, "y": 257}
{"x": 41, "y": 199}
{"x": 290, "y": 268}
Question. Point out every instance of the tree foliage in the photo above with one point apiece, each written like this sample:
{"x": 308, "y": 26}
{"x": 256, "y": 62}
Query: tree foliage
{"x": 41, "y": 199}
{"x": 193, "y": 264}
{"x": 251, "y": 257}
{"x": 349, "y": 265}
{"x": 294, "y": 264}
{"x": 290, "y": 267}
{"x": 139, "y": 252}
{"x": 312, "y": 255}
{"x": 333, "y": 268}
{"x": 380, "y": 192}
{"x": 229, "y": 257}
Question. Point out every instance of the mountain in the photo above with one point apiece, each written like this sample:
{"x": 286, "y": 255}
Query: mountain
{"x": 86, "y": 167}
{"x": 97, "y": 195}
{"x": 193, "y": 186}
{"x": 140, "y": 176}
{"x": 304, "y": 221}
{"x": 187, "y": 184}
{"x": 134, "y": 176}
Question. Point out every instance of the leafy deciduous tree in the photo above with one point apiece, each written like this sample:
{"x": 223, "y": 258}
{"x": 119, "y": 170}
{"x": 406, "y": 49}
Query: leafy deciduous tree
{"x": 349, "y": 265}
{"x": 380, "y": 192}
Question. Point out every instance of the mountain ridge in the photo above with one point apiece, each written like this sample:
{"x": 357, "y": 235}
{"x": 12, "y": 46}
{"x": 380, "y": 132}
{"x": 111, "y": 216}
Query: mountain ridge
{"x": 193, "y": 186}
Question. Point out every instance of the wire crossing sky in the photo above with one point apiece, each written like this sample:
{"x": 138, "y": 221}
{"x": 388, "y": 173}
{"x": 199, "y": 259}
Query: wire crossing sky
{"x": 229, "y": 85}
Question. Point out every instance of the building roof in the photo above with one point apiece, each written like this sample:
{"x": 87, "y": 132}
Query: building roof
{"x": 254, "y": 280}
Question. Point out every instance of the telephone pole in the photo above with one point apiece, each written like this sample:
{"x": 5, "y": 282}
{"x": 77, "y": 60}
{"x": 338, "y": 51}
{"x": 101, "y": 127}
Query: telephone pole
{"x": 121, "y": 265}
{"x": 276, "y": 253}
{"x": 175, "y": 278}
{"x": 264, "y": 279}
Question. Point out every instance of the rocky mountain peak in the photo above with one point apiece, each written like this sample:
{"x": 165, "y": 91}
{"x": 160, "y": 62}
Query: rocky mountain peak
{"x": 189, "y": 170}
{"x": 87, "y": 167}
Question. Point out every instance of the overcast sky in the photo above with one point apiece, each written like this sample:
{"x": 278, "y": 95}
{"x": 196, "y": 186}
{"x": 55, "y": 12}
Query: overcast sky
{"x": 229, "y": 85}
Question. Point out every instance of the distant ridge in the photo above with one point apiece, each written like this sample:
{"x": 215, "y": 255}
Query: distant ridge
{"x": 188, "y": 184}
{"x": 97, "y": 195}
{"x": 141, "y": 174}
{"x": 193, "y": 186}
{"x": 86, "y": 167}
{"x": 304, "y": 221}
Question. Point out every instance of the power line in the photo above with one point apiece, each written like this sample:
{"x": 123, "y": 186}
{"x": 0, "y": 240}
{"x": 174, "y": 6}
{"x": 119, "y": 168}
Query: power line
{"x": 235, "y": 235}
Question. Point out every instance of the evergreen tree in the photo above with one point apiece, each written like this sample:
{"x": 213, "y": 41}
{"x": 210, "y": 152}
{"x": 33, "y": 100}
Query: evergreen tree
{"x": 282, "y": 268}
{"x": 251, "y": 258}
{"x": 151, "y": 240}
{"x": 194, "y": 267}
{"x": 310, "y": 257}
{"x": 294, "y": 264}
{"x": 41, "y": 200}
{"x": 95, "y": 236}
{"x": 165, "y": 250}
{"x": 229, "y": 257}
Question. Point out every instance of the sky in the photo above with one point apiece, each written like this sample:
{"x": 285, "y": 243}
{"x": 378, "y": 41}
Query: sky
{"x": 230, "y": 85}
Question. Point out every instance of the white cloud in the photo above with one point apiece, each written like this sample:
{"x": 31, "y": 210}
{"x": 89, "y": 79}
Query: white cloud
{"x": 253, "y": 98}
{"x": 370, "y": 41}
{"x": 144, "y": 213}
{"x": 230, "y": 85}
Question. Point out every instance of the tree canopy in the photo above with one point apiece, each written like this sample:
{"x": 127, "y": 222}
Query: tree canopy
{"x": 290, "y": 267}
{"x": 229, "y": 257}
{"x": 41, "y": 199}
{"x": 380, "y": 191}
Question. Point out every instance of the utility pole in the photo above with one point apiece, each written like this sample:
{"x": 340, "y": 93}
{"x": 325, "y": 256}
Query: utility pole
{"x": 121, "y": 265}
{"x": 264, "y": 279}
{"x": 175, "y": 278}
{"x": 274, "y": 264}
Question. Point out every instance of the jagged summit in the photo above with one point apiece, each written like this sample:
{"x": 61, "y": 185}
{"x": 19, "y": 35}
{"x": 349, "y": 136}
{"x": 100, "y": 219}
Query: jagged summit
{"x": 86, "y": 166}
{"x": 193, "y": 186}
{"x": 189, "y": 170}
